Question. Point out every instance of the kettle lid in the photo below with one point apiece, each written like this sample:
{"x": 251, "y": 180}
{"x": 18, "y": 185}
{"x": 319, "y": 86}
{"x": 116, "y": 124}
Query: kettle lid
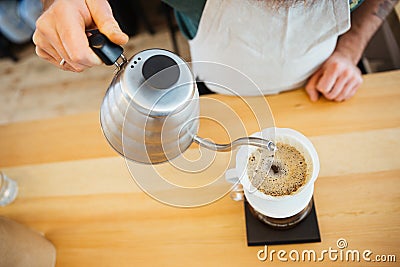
{"x": 158, "y": 82}
{"x": 161, "y": 71}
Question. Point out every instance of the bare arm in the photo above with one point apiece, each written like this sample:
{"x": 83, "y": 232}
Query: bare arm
{"x": 338, "y": 78}
{"x": 365, "y": 22}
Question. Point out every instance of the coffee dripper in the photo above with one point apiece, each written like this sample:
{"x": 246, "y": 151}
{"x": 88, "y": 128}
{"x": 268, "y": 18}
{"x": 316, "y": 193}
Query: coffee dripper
{"x": 150, "y": 113}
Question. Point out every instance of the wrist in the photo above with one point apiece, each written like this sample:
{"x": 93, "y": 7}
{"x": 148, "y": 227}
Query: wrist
{"x": 350, "y": 47}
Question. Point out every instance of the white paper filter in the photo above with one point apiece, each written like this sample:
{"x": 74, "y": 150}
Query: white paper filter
{"x": 280, "y": 206}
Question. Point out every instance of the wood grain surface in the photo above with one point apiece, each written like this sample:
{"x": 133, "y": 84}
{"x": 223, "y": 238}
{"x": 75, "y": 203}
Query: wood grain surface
{"x": 80, "y": 195}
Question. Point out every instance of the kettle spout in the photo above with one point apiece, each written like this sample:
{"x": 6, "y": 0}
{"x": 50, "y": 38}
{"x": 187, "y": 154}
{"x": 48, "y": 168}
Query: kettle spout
{"x": 244, "y": 141}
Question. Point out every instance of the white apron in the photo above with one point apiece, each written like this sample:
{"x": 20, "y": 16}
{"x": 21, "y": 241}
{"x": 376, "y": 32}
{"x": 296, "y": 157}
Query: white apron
{"x": 266, "y": 51}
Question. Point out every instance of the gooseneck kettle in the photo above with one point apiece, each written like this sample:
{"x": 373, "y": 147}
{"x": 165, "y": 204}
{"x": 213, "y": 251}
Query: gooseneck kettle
{"x": 150, "y": 113}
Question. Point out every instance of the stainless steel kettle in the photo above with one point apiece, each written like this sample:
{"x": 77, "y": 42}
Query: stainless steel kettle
{"x": 150, "y": 113}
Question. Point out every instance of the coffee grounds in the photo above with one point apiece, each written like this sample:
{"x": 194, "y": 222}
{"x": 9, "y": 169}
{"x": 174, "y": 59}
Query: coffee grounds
{"x": 280, "y": 175}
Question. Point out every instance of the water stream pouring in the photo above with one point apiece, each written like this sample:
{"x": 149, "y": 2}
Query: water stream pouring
{"x": 150, "y": 113}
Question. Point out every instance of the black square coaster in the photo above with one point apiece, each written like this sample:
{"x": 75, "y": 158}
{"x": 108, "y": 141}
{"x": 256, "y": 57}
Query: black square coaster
{"x": 260, "y": 234}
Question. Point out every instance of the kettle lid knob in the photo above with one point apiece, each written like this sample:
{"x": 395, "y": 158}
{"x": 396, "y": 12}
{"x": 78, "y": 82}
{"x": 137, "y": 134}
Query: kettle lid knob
{"x": 161, "y": 71}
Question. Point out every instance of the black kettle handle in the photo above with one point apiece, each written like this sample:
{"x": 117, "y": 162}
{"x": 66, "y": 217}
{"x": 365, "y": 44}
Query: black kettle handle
{"x": 106, "y": 50}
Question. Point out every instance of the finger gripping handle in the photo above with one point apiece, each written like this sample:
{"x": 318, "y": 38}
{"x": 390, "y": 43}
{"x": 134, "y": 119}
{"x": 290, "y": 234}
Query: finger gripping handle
{"x": 106, "y": 50}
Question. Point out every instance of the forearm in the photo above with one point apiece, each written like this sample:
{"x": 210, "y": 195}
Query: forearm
{"x": 365, "y": 21}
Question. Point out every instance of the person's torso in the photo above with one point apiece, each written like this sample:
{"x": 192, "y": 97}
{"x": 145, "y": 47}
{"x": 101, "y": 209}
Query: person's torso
{"x": 276, "y": 49}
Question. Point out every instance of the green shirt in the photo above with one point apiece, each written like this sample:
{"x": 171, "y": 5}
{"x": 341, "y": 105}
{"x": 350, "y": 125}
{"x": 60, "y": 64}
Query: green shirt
{"x": 188, "y": 14}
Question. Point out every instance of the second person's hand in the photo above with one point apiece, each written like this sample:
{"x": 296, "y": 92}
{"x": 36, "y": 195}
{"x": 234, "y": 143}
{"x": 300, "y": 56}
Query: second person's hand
{"x": 60, "y": 32}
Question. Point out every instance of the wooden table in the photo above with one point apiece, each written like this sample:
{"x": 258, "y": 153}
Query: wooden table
{"x": 78, "y": 192}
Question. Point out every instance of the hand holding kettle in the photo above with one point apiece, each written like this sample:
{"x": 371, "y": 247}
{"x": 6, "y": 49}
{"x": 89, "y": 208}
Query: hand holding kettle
{"x": 60, "y": 36}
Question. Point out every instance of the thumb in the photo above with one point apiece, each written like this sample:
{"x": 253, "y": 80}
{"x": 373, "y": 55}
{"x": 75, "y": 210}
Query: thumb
{"x": 311, "y": 87}
{"x": 312, "y": 93}
{"x": 102, "y": 15}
